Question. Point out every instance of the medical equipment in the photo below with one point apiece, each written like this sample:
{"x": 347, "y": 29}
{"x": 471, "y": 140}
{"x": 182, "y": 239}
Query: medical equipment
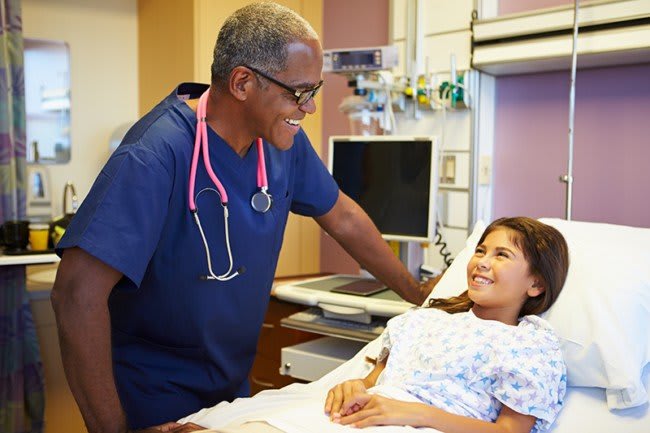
{"x": 367, "y": 70}
{"x": 395, "y": 181}
{"x": 260, "y": 201}
{"x": 318, "y": 292}
{"x": 360, "y": 59}
{"x": 393, "y": 178}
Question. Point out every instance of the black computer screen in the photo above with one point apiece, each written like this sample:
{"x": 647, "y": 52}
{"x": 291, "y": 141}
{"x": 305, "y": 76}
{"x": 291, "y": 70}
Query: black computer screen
{"x": 390, "y": 179}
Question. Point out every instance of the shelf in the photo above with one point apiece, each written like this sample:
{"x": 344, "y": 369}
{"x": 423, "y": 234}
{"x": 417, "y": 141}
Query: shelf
{"x": 28, "y": 259}
{"x": 610, "y": 33}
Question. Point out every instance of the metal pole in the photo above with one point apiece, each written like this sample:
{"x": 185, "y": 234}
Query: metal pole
{"x": 568, "y": 178}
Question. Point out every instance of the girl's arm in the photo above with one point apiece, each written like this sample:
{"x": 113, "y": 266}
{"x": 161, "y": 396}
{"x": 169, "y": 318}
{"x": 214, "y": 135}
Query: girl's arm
{"x": 338, "y": 396}
{"x": 378, "y": 410}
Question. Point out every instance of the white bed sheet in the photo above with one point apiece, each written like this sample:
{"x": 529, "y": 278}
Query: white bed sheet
{"x": 585, "y": 408}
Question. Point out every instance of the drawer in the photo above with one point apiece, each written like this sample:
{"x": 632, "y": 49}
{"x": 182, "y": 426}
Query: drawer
{"x": 312, "y": 360}
{"x": 273, "y": 337}
{"x": 264, "y": 375}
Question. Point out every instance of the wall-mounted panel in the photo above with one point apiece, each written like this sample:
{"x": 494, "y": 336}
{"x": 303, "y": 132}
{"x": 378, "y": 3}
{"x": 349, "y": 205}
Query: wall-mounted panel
{"x": 442, "y": 16}
{"x": 455, "y": 170}
{"x": 398, "y": 20}
{"x": 438, "y": 50}
{"x": 610, "y": 33}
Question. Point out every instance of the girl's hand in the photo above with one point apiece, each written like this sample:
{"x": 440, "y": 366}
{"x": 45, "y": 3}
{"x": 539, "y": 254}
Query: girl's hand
{"x": 338, "y": 398}
{"x": 378, "y": 410}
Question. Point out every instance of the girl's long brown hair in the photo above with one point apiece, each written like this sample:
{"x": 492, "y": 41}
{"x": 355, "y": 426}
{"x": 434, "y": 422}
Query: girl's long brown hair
{"x": 547, "y": 255}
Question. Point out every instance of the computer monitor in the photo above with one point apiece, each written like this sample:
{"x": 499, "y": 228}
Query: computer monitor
{"x": 393, "y": 178}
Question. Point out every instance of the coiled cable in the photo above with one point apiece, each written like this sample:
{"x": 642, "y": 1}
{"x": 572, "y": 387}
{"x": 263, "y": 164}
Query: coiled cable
{"x": 444, "y": 252}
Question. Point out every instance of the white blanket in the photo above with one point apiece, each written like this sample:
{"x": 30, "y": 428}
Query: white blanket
{"x": 299, "y": 407}
{"x": 294, "y": 409}
{"x": 585, "y": 408}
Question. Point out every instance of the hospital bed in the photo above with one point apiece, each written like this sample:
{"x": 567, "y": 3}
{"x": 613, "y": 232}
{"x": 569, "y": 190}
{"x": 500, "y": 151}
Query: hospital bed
{"x": 602, "y": 318}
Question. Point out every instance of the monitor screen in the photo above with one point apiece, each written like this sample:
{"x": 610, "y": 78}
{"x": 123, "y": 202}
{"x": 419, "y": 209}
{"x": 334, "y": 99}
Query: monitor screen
{"x": 393, "y": 178}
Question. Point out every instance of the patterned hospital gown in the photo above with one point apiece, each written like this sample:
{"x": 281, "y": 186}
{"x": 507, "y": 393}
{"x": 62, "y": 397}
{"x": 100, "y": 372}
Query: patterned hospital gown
{"x": 470, "y": 366}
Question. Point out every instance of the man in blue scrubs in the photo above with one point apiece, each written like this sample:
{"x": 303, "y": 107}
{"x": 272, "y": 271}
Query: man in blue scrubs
{"x": 144, "y": 340}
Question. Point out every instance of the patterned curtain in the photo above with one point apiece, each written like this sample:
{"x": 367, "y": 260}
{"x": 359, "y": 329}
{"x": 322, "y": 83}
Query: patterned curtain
{"x": 22, "y": 397}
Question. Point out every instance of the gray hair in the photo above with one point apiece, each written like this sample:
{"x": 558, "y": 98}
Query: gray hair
{"x": 257, "y": 35}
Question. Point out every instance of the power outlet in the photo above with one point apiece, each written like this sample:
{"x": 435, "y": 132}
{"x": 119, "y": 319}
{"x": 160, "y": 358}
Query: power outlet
{"x": 485, "y": 170}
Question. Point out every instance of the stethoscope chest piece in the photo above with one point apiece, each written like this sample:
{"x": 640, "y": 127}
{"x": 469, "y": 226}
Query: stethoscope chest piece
{"x": 261, "y": 201}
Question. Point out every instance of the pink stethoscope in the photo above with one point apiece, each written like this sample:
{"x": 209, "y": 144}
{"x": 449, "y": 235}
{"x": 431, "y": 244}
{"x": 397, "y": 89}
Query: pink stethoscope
{"x": 260, "y": 201}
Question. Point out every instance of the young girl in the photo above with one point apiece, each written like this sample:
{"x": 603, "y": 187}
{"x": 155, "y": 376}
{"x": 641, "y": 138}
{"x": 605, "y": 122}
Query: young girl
{"x": 494, "y": 366}
{"x": 480, "y": 362}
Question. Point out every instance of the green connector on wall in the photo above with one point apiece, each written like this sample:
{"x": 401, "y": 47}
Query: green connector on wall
{"x": 454, "y": 94}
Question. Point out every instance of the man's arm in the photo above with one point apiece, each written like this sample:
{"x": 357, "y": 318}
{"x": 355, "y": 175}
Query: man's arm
{"x": 80, "y": 300}
{"x": 351, "y": 227}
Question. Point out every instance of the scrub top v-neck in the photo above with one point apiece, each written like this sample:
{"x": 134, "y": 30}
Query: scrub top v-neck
{"x": 181, "y": 343}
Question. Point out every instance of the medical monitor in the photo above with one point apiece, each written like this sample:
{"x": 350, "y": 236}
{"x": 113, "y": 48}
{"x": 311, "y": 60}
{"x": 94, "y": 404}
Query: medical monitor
{"x": 393, "y": 178}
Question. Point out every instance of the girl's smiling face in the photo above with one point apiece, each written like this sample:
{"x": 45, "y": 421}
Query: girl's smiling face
{"x": 499, "y": 279}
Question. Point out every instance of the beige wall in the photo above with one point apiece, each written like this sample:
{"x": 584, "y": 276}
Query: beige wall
{"x": 165, "y": 49}
{"x": 102, "y": 37}
{"x": 104, "y": 94}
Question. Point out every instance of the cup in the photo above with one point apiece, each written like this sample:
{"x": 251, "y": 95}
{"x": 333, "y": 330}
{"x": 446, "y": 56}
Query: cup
{"x": 15, "y": 235}
{"x": 38, "y": 236}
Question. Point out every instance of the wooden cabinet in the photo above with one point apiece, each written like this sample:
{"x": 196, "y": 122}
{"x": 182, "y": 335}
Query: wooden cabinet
{"x": 175, "y": 44}
{"x": 265, "y": 372}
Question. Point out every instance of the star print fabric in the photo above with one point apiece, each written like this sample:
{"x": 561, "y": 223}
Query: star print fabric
{"x": 471, "y": 367}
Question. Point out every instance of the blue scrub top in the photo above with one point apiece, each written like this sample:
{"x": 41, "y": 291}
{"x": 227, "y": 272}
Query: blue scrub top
{"x": 181, "y": 343}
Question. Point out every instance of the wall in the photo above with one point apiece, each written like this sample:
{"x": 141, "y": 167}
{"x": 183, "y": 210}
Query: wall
{"x": 104, "y": 94}
{"x": 103, "y": 76}
{"x": 611, "y": 144}
{"x": 515, "y": 6}
{"x": 346, "y": 24}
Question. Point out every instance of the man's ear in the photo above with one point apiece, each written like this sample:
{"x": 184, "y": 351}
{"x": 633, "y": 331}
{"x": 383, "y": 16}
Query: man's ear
{"x": 241, "y": 83}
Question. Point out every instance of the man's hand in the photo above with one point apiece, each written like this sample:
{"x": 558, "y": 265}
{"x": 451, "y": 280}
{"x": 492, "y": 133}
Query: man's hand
{"x": 340, "y": 399}
{"x": 427, "y": 287}
{"x": 172, "y": 427}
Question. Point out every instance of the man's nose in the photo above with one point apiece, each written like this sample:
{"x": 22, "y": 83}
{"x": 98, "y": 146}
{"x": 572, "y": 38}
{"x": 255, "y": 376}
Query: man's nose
{"x": 309, "y": 107}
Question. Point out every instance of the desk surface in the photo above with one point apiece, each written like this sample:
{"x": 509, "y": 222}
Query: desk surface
{"x": 28, "y": 259}
{"x": 317, "y": 293}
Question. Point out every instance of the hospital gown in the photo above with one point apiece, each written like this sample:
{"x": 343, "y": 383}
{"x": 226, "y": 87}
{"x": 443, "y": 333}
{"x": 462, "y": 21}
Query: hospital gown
{"x": 470, "y": 366}
{"x": 457, "y": 362}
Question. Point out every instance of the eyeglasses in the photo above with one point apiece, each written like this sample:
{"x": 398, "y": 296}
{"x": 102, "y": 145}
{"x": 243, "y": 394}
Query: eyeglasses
{"x": 302, "y": 97}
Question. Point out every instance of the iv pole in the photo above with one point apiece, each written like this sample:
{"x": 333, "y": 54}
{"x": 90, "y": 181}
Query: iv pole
{"x": 568, "y": 178}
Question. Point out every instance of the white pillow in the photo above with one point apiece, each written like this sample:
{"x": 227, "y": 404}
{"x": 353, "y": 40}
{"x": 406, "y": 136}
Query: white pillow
{"x": 603, "y": 313}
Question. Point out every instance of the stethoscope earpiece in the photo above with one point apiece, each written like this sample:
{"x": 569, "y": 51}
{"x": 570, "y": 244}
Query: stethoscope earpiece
{"x": 261, "y": 201}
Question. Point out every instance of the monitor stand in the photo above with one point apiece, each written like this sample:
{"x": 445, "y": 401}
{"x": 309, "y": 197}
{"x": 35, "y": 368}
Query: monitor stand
{"x": 412, "y": 255}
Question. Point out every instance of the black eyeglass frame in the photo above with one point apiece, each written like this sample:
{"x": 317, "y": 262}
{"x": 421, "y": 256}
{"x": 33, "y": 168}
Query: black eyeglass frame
{"x": 302, "y": 97}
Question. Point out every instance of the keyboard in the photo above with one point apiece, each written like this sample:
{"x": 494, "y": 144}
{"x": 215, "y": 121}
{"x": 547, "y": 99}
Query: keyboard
{"x": 312, "y": 320}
